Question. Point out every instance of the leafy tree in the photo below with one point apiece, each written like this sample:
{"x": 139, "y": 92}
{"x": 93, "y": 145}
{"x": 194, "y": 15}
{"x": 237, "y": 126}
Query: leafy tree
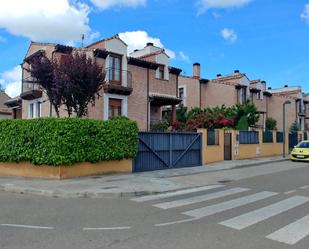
{"x": 47, "y": 75}
{"x": 243, "y": 124}
{"x": 74, "y": 81}
{"x": 83, "y": 79}
{"x": 295, "y": 127}
{"x": 271, "y": 124}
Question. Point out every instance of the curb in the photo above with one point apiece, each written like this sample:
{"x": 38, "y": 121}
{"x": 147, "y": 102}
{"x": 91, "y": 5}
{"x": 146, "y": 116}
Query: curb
{"x": 10, "y": 188}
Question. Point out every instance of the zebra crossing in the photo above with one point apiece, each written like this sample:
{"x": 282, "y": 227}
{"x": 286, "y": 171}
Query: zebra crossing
{"x": 291, "y": 234}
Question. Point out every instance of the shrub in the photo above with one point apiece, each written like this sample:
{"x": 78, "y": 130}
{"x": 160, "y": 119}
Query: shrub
{"x": 67, "y": 141}
{"x": 295, "y": 127}
{"x": 160, "y": 126}
{"x": 271, "y": 124}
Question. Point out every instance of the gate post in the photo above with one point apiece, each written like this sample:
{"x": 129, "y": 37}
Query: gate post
{"x": 171, "y": 151}
{"x": 203, "y": 135}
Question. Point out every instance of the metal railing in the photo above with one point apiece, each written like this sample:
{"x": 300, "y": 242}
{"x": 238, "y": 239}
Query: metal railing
{"x": 213, "y": 137}
{"x": 248, "y": 137}
{"x": 118, "y": 77}
{"x": 268, "y": 137}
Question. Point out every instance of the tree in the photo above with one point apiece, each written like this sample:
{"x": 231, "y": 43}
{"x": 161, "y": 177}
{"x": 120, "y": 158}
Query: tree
{"x": 295, "y": 127}
{"x": 271, "y": 124}
{"x": 74, "y": 81}
{"x": 83, "y": 79}
{"x": 45, "y": 74}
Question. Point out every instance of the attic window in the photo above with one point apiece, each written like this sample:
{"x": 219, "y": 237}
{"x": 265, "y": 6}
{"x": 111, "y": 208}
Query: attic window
{"x": 161, "y": 72}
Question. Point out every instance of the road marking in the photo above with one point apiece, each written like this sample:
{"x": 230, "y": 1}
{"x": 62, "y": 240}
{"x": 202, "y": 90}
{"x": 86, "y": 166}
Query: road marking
{"x": 175, "y": 222}
{"x": 26, "y": 226}
{"x": 176, "y": 193}
{"x": 304, "y": 187}
{"x": 200, "y": 198}
{"x": 256, "y": 216}
{"x": 217, "y": 208}
{"x": 290, "y": 192}
{"x": 105, "y": 228}
{"x": 292, "y": 233}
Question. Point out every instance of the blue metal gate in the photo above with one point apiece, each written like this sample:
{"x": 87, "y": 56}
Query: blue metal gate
{"x": 293, "y": 140}
{"x": 158, "y": 151}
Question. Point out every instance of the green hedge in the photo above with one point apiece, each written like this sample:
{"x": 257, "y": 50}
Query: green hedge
{"x": 67, "y": 141}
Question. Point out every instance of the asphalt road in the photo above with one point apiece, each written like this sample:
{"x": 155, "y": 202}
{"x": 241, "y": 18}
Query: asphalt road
{"x": 263, "y": 212}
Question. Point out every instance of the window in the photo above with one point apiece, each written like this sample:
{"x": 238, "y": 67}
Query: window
{"x": 31, "y": 110}
{"x": 38, "y": 109}
{"x": 181, "y": 93}
{"x": 243, "y": 95}
{"x": 35, "y": 109}
{"x": 115, "y": 68}
{"x": 114, "y": 109}
{"x": 161, "y": 72}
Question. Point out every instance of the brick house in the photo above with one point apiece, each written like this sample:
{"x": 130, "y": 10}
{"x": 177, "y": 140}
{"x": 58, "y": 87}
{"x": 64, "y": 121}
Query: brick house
{"x": 137, "y": 86}
{"x": 227, "y": 90}
{"x": 5, "y": 112}
{"x": 296, "y": 111}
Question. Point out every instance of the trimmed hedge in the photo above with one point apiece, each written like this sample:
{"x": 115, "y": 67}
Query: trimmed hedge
{"x": 66, "y": 141}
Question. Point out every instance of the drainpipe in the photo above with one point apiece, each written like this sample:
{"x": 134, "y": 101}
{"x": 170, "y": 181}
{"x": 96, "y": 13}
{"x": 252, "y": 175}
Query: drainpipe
{"x": 50, "y": 104}
{"x": 148, "y": 102}
{"x": 200, "y": 93}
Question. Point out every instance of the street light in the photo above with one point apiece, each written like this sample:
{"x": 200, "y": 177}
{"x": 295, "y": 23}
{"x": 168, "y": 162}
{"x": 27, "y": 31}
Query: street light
{"x": 288, "y": 102}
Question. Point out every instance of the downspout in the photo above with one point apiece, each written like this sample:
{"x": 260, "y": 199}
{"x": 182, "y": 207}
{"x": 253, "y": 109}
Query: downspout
{"x": 148, "y": 102}
{"x": 50, "y": 104}
{"x": 200, "y": 93}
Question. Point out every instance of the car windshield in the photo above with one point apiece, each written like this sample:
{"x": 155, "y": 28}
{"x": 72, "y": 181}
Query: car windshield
{"x": 303, "y": 145}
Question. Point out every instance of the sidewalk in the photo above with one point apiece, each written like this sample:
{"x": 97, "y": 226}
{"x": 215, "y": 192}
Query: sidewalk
{"x": 126, "y": 185}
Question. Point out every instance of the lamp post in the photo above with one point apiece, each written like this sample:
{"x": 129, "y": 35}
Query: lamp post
{"x": 288, "y": 102}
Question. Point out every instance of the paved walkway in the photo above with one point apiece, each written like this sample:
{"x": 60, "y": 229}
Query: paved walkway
{"x": 127, "y": 185}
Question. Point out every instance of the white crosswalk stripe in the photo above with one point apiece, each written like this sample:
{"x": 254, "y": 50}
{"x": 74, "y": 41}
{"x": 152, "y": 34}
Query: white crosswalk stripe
{"x": 256, "y": 216}
{"x": 224, "y": 206}
{"x": 292, "y": 233}
{"x": 199, "y": 198}
{"x": 176, "y": 193}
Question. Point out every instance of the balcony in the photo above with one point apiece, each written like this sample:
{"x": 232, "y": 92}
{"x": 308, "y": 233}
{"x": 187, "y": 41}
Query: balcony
{"x": 118, "y": 82}
{"x": 31, "y": 90}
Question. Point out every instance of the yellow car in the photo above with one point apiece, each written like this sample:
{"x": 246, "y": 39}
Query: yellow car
{"x": 300, "y": 152}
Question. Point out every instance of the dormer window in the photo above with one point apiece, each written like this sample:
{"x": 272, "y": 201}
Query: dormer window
{"x": 161, "y": 72}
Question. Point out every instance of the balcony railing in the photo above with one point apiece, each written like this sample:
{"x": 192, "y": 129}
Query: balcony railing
{"x": 118, "y": 81}
{"x": 31, "y": 90}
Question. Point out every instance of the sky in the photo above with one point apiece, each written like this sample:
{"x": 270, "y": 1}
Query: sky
{"x": 267, "y": 40}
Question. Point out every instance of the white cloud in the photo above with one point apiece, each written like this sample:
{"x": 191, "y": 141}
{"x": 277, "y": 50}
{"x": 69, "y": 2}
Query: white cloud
{"x": 204, "y": 5}
{"x": 11, "y": 81}
{"x": 106, "y": 4}
{"x": 184, "y": 57}
{"x": 229, "y": 35}
{"x": 45, "y": 19}
{"x": 305, "y": 14}
{"x": 138, "y": 40}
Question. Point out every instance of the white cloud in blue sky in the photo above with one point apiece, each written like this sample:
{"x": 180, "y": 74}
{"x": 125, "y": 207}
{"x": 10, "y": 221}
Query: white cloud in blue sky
{"x": 229, "y": 35}
{"x": 305, "y": 14}
{"x": 138, "y": 39}
{"x": 183, "y": 56}
{"x": 45, "y": 19}
{"x": 204, "y": 5}
{"x": 11, "y": 81}
{"x": 106, "y": 4}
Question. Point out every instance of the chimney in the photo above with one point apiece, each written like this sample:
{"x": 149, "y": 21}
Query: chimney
{"x": 219, "y": 75}
{"x": 236, "y": 71}
{"x": 197, "y": 70}
{"x": 149, "y": 44}
{"x": 286, "y": 86}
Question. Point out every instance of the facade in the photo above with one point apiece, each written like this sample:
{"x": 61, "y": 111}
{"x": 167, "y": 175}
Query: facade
{"x": 226, "y": 90}
{"x": 5, "y": 112}
{"x": 296, "y": 111}
{"x": 236, "y": 88}
{"x": 137, "y": 86}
